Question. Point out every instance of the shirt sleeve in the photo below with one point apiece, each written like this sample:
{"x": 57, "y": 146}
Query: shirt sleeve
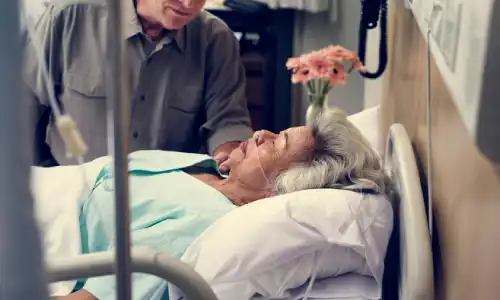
{"x": 228, "y": 119}
{"x": 143, "y": 287}
{"x": 45, "y": 42}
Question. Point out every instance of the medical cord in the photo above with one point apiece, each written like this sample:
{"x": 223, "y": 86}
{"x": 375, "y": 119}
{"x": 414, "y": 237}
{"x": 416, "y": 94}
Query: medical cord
{"x": 428, "y": 116}
{"x": 314, "y": 272}
{"x": 74, "y": 144}
{"x": 86, "y": 192}
{"x": 73, "y": 141}
{"x": 319, "y": 255}
{"x": 355, "y": 218}
{"x": 255, "y": 139}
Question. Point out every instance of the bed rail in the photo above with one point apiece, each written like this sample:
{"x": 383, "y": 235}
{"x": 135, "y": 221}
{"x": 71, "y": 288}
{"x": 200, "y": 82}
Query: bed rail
{"x": 416, "y": 271}
{"x": 143, "y": 261}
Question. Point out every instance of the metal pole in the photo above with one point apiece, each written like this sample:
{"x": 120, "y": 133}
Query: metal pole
{"x": 21, "y": 260}
{"x": 428, "y": 117}
{"x": 119, "y": 110}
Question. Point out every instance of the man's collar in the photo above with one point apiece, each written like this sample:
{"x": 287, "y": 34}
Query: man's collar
{"x": 177, "y": 36}
{"x": 132, "y": 26}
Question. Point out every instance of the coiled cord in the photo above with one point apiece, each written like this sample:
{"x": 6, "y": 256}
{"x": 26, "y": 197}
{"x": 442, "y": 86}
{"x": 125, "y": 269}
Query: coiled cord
{"x": 371, "y": 11}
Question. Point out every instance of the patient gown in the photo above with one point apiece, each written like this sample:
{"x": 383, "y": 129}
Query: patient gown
{"x": 169, "y": 210}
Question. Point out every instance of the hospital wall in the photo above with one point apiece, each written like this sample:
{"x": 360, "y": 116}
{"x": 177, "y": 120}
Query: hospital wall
{"x": 313, "y": 31}
{"x": 465, "y": 185}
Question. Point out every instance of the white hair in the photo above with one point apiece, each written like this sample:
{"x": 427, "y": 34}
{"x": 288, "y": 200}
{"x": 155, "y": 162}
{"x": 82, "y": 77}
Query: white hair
{"x": 342, "y": 159}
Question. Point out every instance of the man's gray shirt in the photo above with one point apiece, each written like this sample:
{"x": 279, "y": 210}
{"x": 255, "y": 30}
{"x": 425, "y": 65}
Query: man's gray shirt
{"x": 187, "y": 90}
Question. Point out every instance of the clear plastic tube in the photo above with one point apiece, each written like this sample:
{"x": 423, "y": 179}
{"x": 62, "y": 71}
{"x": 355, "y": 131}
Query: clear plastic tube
{"x": 39, "y": 56}
{"x": 68, "y": 130}
{"x": 74, "y": 144}
{"x": 260, "y": 162}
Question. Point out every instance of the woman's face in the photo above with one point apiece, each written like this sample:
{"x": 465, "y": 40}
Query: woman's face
{"x": 257, "y": 162}
{"x": 170, "y": 14}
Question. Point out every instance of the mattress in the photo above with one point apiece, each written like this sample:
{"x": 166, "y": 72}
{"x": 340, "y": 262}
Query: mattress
{"x": 344, "y": 287}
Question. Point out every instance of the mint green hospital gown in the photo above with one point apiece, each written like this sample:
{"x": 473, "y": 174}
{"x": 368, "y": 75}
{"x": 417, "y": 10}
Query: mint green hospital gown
{"x": 169, "y": 210}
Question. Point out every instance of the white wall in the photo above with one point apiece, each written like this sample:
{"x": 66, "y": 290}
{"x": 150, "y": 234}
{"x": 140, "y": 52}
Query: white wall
{"x": 313, "y": 31}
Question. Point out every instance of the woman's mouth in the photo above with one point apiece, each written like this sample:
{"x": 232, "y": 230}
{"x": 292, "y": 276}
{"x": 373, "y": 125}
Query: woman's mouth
{"x": 244, "y": 146}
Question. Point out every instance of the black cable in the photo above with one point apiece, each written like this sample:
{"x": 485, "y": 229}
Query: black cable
{"x": 371, "y": 11}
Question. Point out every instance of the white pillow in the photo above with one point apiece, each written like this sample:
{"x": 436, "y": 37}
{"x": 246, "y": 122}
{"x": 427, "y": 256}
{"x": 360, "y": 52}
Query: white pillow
{"x": 278, "y": 242}
{"x": 368, "y": 122}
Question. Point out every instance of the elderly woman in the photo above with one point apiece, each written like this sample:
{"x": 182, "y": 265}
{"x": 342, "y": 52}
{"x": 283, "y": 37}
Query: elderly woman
{"x": 176, "y": 196}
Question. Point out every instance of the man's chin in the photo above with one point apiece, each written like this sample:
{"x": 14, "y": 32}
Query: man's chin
{"x": 174, "y": 23}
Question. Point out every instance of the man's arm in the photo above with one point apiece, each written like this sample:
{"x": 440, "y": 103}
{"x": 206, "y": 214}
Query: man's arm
{"x": 228, "y": 119}
{"x": 80, "y": 295}
{"x": 45, "y": 43}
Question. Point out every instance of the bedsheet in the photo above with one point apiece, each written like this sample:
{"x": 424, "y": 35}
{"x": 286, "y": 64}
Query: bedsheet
{"x": 348, "y": 286}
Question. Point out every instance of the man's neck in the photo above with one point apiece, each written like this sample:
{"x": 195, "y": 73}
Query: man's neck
{"x": 152, "y": 29}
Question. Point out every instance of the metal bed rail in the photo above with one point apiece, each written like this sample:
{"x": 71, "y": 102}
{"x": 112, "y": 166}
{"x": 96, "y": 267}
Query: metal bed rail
{"x": 142, "y": 261}
{"x": 21, "y": 261}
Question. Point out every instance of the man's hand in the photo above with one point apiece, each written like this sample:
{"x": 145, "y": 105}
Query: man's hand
{"x": 222, "y": 154}
{"x": 80, "y": 295}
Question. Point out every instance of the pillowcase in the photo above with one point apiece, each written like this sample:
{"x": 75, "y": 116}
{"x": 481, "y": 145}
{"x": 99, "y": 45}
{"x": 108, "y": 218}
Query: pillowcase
{"x": 271, "y": 246}
{"x": 368, "y": 123}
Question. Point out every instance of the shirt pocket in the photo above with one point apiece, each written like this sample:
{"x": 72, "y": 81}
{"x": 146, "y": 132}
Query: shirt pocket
{"x": 182, "y": 117}
{"x": 84, "y": 98}
{"x": 86, "y": 85}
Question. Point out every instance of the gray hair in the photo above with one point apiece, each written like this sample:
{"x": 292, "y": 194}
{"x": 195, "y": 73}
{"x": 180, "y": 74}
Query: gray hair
{"x": 342, "y": 159}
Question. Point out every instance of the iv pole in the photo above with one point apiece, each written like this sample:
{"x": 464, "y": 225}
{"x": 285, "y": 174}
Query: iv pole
{"x": 118, "y": 117}
{"x": 21, "y": 261}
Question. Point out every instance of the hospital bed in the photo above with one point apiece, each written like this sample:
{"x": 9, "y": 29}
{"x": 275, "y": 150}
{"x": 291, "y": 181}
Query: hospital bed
{"x": 408, "y": 265}
{"x": 408, "y": 272}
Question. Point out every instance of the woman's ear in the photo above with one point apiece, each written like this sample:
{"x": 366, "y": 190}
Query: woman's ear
{"x": 270, "y": 194}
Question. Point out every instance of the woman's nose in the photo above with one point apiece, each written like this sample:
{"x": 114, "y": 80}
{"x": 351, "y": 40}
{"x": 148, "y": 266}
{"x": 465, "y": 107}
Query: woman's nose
{"x": 265, "y": 136}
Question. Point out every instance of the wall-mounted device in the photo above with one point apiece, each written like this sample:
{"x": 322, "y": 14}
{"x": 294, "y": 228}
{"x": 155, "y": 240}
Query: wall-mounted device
{"x": 465, "y": 45}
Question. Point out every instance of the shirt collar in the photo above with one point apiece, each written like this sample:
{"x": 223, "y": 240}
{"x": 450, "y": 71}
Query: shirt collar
{"x": 132, "y": 27}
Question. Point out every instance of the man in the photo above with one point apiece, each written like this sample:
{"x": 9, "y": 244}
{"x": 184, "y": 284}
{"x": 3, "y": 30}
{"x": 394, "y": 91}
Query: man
{"x": 186, "y": 79}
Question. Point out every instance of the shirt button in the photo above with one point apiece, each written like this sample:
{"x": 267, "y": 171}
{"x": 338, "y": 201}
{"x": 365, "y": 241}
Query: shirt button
{"x": 142, "y": 98}
{"x": 135, "y": 134}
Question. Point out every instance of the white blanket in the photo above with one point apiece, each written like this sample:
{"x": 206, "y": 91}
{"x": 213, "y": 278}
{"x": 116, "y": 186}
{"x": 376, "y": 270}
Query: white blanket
{"x": 56, "y": 192}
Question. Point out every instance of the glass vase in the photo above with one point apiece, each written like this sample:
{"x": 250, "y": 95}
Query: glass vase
{"x": 316, "y": 108}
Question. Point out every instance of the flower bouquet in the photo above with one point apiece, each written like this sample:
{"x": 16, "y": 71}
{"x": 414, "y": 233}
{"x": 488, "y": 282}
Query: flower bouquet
{"x": 320, "y": 71}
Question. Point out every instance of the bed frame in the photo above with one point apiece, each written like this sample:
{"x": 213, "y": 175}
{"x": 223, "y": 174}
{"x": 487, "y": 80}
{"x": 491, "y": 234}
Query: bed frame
{"x": 408, "y": 263}
{"x": 408, "y": 266}
{"x": 143, "y": 261}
